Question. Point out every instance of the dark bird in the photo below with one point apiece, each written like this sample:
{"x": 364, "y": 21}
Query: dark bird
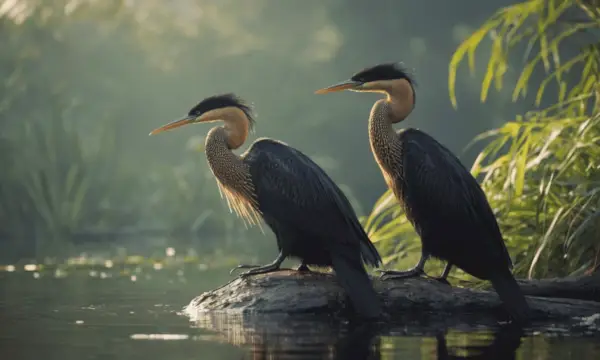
{"x": 311, "y": 217}
{"x": 440, "y": 197}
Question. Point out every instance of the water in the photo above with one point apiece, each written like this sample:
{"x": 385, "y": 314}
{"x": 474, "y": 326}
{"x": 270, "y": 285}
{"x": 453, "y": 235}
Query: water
{"x": 117, "y": 314}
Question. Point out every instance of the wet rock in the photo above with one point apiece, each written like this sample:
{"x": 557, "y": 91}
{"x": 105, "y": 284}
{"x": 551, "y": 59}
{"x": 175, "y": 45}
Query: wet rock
{"x": 291, "y": 292}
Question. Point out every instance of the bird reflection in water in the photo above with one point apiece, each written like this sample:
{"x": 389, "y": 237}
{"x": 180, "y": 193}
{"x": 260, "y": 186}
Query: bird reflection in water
{"x": 357, "y": 343}
{"x": 504, "y": 346}
{"x": 364, "y": 342}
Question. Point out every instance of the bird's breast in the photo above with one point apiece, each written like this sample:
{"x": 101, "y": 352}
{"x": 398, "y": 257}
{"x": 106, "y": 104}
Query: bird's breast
{"x": 388, "y": 156}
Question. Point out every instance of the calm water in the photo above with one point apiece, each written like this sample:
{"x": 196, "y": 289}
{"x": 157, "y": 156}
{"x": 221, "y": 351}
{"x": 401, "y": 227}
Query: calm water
{"x": 96, "y": 314}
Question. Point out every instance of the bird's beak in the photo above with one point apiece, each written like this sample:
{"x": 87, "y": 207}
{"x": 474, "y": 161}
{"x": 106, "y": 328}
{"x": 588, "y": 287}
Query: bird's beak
{"x": 344, "y": 85}
{"x": 174, "y": 124}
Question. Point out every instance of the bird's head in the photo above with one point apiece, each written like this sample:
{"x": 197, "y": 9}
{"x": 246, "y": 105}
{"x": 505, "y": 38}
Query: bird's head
{"x": 383, "y": 78}
{"x": 226, "y": 107}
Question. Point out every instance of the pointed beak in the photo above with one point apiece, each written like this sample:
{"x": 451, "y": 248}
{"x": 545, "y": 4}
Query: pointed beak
{"x": 344, "y": 85}
{"x": 174, "y": 124}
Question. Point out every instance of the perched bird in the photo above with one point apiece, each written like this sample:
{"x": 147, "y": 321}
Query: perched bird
{"x": 440, "y": 197}
{"x": 311, "y": 217}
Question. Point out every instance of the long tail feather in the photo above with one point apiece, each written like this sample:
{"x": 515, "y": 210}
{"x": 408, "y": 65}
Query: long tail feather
{"x": 511, "y": 295}
{"x": 357, "y": 284}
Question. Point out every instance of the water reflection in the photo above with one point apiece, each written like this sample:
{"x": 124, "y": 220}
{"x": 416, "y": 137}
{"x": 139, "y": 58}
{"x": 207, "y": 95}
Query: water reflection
{"x": 276, "y": 336}
{"x": 506, "y": 341}
{"x": 359, "y": 343}
{"x": 356, "y": 342}
{"x": 80, "y": 316}
{"x": 292, "y": 337}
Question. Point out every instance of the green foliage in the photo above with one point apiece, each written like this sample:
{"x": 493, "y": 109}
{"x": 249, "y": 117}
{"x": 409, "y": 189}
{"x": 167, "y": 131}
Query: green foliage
{"x": 540, "y": 171}
{"x": 64, "y": 150}
{"x": 83, "y": 82}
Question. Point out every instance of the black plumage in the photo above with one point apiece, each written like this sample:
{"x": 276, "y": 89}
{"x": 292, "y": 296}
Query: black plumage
{"x": 222, "y": 101}
{"x": 441, "y": 198}
{"x": 451, "y": 214}
{"x": 386, "y": 71}
{"x": 297, "y": 197}
{"x": 312, "y": 218}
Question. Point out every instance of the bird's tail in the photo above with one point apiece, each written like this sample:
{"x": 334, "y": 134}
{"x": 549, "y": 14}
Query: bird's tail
{"x": 357, "y": 284}
{"x": 511, "y": 295}
{"x": 369, "y": 253}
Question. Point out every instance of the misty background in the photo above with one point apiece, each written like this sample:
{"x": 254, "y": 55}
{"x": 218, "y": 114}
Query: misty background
{"x": 84, "y": 82}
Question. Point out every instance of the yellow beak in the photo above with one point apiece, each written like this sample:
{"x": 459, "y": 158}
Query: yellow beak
{"x": 344, "y": 85}
{"x": 188, "y": 119}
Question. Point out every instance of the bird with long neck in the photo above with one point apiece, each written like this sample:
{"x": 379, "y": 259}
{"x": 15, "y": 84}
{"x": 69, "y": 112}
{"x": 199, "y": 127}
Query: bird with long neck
{"x": 310, "y": 216}
{"x": 232, "y": 175}
{"x": 440, "y": 197}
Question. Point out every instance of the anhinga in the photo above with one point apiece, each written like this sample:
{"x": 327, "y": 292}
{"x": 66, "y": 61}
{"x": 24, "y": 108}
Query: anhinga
{"x": 311, "y": 217}
{"x": 440, "y": 197}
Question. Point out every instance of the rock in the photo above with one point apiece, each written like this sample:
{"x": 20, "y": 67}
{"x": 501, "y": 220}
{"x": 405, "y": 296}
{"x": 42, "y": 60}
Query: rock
{"x": 291, "y": 292}
{"x": 290, "y": 315}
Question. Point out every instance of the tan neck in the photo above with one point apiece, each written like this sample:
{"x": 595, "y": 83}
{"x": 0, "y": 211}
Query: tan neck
{"x": 397, "y": 105}
{"x": 227, "y": 167}
{"x": 236, "y": 126}
{"x": 232, "y": 174}
{"x": 381, "y": 132}
{"x": 400, "y": 96}
{"x": 218, "y": 151}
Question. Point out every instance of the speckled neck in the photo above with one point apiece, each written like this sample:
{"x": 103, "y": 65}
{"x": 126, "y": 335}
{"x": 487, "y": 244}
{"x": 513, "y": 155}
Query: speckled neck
{"x": 381, "y": 133}
{"x": 222, "y": 161}
{"x": 233, "y": 176}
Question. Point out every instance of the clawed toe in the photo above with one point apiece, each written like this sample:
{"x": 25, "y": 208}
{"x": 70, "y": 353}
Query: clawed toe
{"x": 243, "y": 266}
{"x": 247, "y": 273}
{"x": 258, "y": 270}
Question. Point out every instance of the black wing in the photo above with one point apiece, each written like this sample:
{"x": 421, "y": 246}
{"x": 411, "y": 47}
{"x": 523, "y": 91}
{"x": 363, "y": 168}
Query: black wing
{"x": 444, "y": 198}
{"x": 294, "y": 190}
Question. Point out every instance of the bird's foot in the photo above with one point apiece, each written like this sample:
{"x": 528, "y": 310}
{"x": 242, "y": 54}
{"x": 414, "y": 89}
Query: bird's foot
{"x": 256, "y": 269}
{"x": 243, "y": 266}
{"x": 303, "y": 268}
{"x": 391, "y": 274}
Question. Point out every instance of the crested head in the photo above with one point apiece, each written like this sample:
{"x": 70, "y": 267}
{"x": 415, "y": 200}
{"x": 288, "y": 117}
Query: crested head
{"x": 223, "y": 101}
{"x": 386, "y": 71}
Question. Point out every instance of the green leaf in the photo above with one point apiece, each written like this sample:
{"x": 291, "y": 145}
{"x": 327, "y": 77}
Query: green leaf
{"x": 468, "y": 46}
{"x": 520, "y": 167}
